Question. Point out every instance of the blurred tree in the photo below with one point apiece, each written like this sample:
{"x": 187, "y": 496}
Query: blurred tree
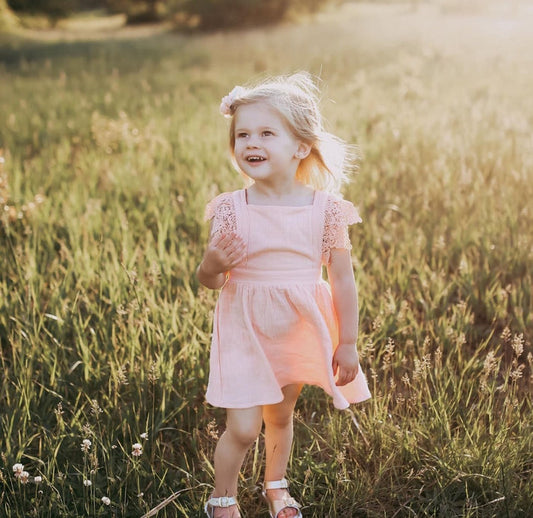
{"x": 53, "y": 9}
{"x": 140, "y": 11}
{"x": 7, "y": 18}
{"x": 85, "y": 5}
{"x": 217, "y": 14}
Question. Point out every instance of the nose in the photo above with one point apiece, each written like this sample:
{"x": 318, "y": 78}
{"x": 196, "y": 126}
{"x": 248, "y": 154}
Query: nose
{"x": 252, "y": 141}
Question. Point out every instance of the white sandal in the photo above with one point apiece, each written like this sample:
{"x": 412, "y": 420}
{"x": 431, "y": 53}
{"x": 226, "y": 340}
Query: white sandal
{"x": 222, "y": 501}
{"x": 276, "y": 506}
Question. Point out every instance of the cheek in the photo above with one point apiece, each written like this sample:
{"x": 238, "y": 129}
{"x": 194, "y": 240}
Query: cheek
{"x": 237, "y": 152}
{"x": 237, "y": 155}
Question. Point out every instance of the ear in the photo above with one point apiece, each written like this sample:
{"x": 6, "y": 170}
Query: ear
{"x": 303, "y": 150}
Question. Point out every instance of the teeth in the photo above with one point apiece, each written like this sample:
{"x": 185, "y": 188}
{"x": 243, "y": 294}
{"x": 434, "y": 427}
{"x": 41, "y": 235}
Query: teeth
{"x": 255, "y": 159}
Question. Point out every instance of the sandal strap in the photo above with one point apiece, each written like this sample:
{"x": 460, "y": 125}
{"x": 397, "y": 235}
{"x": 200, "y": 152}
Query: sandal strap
{"x": 277, "y": 484}
{"x": 222, "y": 501}
{"x": 285, "y": 503}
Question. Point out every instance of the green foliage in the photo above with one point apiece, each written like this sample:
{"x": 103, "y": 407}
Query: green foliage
{"x": 139, "y": 11}
{"x": 54, "y": 9}
{"x": 218, "y": 14}
{"x": 104, "y": 331}
{"x": 223, "y": 13}
{"x": 7, "y": 18}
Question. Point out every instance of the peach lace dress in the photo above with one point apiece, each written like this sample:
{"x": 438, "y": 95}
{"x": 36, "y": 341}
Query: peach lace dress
{"x": 274, "y": 322}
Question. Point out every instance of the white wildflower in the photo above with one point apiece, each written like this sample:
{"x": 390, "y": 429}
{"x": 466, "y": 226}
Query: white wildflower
{"x": 106, "y": 500}
{"x": 137, "y": 450}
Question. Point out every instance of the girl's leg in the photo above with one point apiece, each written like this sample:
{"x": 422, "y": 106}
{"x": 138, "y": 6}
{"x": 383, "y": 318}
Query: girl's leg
{"x": 278, "y": 441}
{"x": 243, "y": 426}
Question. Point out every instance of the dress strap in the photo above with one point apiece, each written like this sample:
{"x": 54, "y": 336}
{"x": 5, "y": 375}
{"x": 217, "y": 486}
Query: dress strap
{"x": 319, "y": 210}
{"x": 238, "y": 204}
{"x": 243, "y": 221}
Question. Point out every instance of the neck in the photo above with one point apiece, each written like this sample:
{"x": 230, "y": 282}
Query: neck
{"x": 294, "y": 192}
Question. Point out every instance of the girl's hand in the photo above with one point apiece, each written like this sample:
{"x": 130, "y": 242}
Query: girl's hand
{"x": 346, "y": 363}
{"x": 223, "y": 253}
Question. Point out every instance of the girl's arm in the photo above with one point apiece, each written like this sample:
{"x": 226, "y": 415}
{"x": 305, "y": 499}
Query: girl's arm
{"x": 223, "y": 253}
{"x": 344, "y": 293}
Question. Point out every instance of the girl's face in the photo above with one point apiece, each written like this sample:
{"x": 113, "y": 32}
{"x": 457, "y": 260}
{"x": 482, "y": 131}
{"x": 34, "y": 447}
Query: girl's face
{"x": 265, "y": 148}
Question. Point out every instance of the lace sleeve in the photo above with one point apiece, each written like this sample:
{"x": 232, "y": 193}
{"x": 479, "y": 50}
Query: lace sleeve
{"x": 339, "y": 214}
{"x": 221, "y": 212}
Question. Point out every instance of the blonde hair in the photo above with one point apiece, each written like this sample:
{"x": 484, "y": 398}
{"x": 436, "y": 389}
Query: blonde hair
{"x": 295, "y": 98}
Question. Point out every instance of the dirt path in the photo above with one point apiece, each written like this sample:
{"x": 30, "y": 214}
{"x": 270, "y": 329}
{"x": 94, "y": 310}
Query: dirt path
{"x": 93, "y": 29}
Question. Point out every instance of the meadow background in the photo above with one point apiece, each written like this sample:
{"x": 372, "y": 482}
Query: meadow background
{"x": 111, "y": 146}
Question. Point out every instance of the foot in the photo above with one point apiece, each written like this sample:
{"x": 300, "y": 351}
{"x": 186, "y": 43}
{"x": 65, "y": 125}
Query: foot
{"x": 280, "y": 494}
{"x": 222, "y": 510}
{"x": 226, "y": 512}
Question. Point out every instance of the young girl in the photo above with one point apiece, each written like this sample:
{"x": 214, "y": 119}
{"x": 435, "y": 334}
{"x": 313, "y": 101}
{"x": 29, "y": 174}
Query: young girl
{"x": 277, "y": 324}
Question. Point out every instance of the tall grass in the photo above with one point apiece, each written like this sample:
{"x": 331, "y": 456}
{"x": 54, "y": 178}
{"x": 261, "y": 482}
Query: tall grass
{"x": 111, "y": 150}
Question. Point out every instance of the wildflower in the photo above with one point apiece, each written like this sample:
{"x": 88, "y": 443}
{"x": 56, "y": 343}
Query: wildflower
{"x": 137, "y": 450}
{"x": 87, "y": 483}
{"x": 406, "y": 380}
{"x": 144, "y": 435}
{"x": 404, "y": 308}
{"x": 18, "y": 469}
{"x": 86, "y": 445}
{"x": 389, "y": 353}
{"x": 422, "y": 367}
{"x": 38, "y": 479}
{"x": 24, "y": 477}
{"x": 59, "y": 410}
{"x": 212, "y": 429}
{"x": 95, "y": 408}
{"x": 377, "y": 323}
{"x": 121, "y": 375}
{"x": 152, "y": 374}
{"x": 106, "y": 500}
{"x": 490, "y": 365}
{"x": 506, "y": 335}
{"x": 518, "y": 344}
{"x": 517, "y": 373}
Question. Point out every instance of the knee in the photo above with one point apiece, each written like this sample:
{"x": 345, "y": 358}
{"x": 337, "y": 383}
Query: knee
{"x": 278, "y": 420}
{"x": 245, "y": 433}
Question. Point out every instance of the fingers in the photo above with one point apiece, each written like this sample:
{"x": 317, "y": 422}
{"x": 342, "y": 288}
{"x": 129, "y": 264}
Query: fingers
{"x": 220, "y": 240}
{"x": 235, "y": 249}
{"x": 346, "y": 376}
{"x": 227, "y": 242}
{"x": 232, "y": 248}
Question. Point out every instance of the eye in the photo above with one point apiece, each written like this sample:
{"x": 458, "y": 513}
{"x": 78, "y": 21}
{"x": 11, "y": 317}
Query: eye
{"x": 267, "y": 133}
{"x": 242, "y": 134}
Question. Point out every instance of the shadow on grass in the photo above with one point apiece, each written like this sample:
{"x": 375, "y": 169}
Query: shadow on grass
{"x": 26, "y": 56}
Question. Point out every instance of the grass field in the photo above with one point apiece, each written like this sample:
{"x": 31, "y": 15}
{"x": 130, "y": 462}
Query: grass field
{"x": 111, "y": 149}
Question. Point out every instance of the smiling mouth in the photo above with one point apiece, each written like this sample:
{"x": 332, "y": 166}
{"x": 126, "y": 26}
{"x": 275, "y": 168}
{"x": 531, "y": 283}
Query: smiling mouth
{"x": 255, "y": 159}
